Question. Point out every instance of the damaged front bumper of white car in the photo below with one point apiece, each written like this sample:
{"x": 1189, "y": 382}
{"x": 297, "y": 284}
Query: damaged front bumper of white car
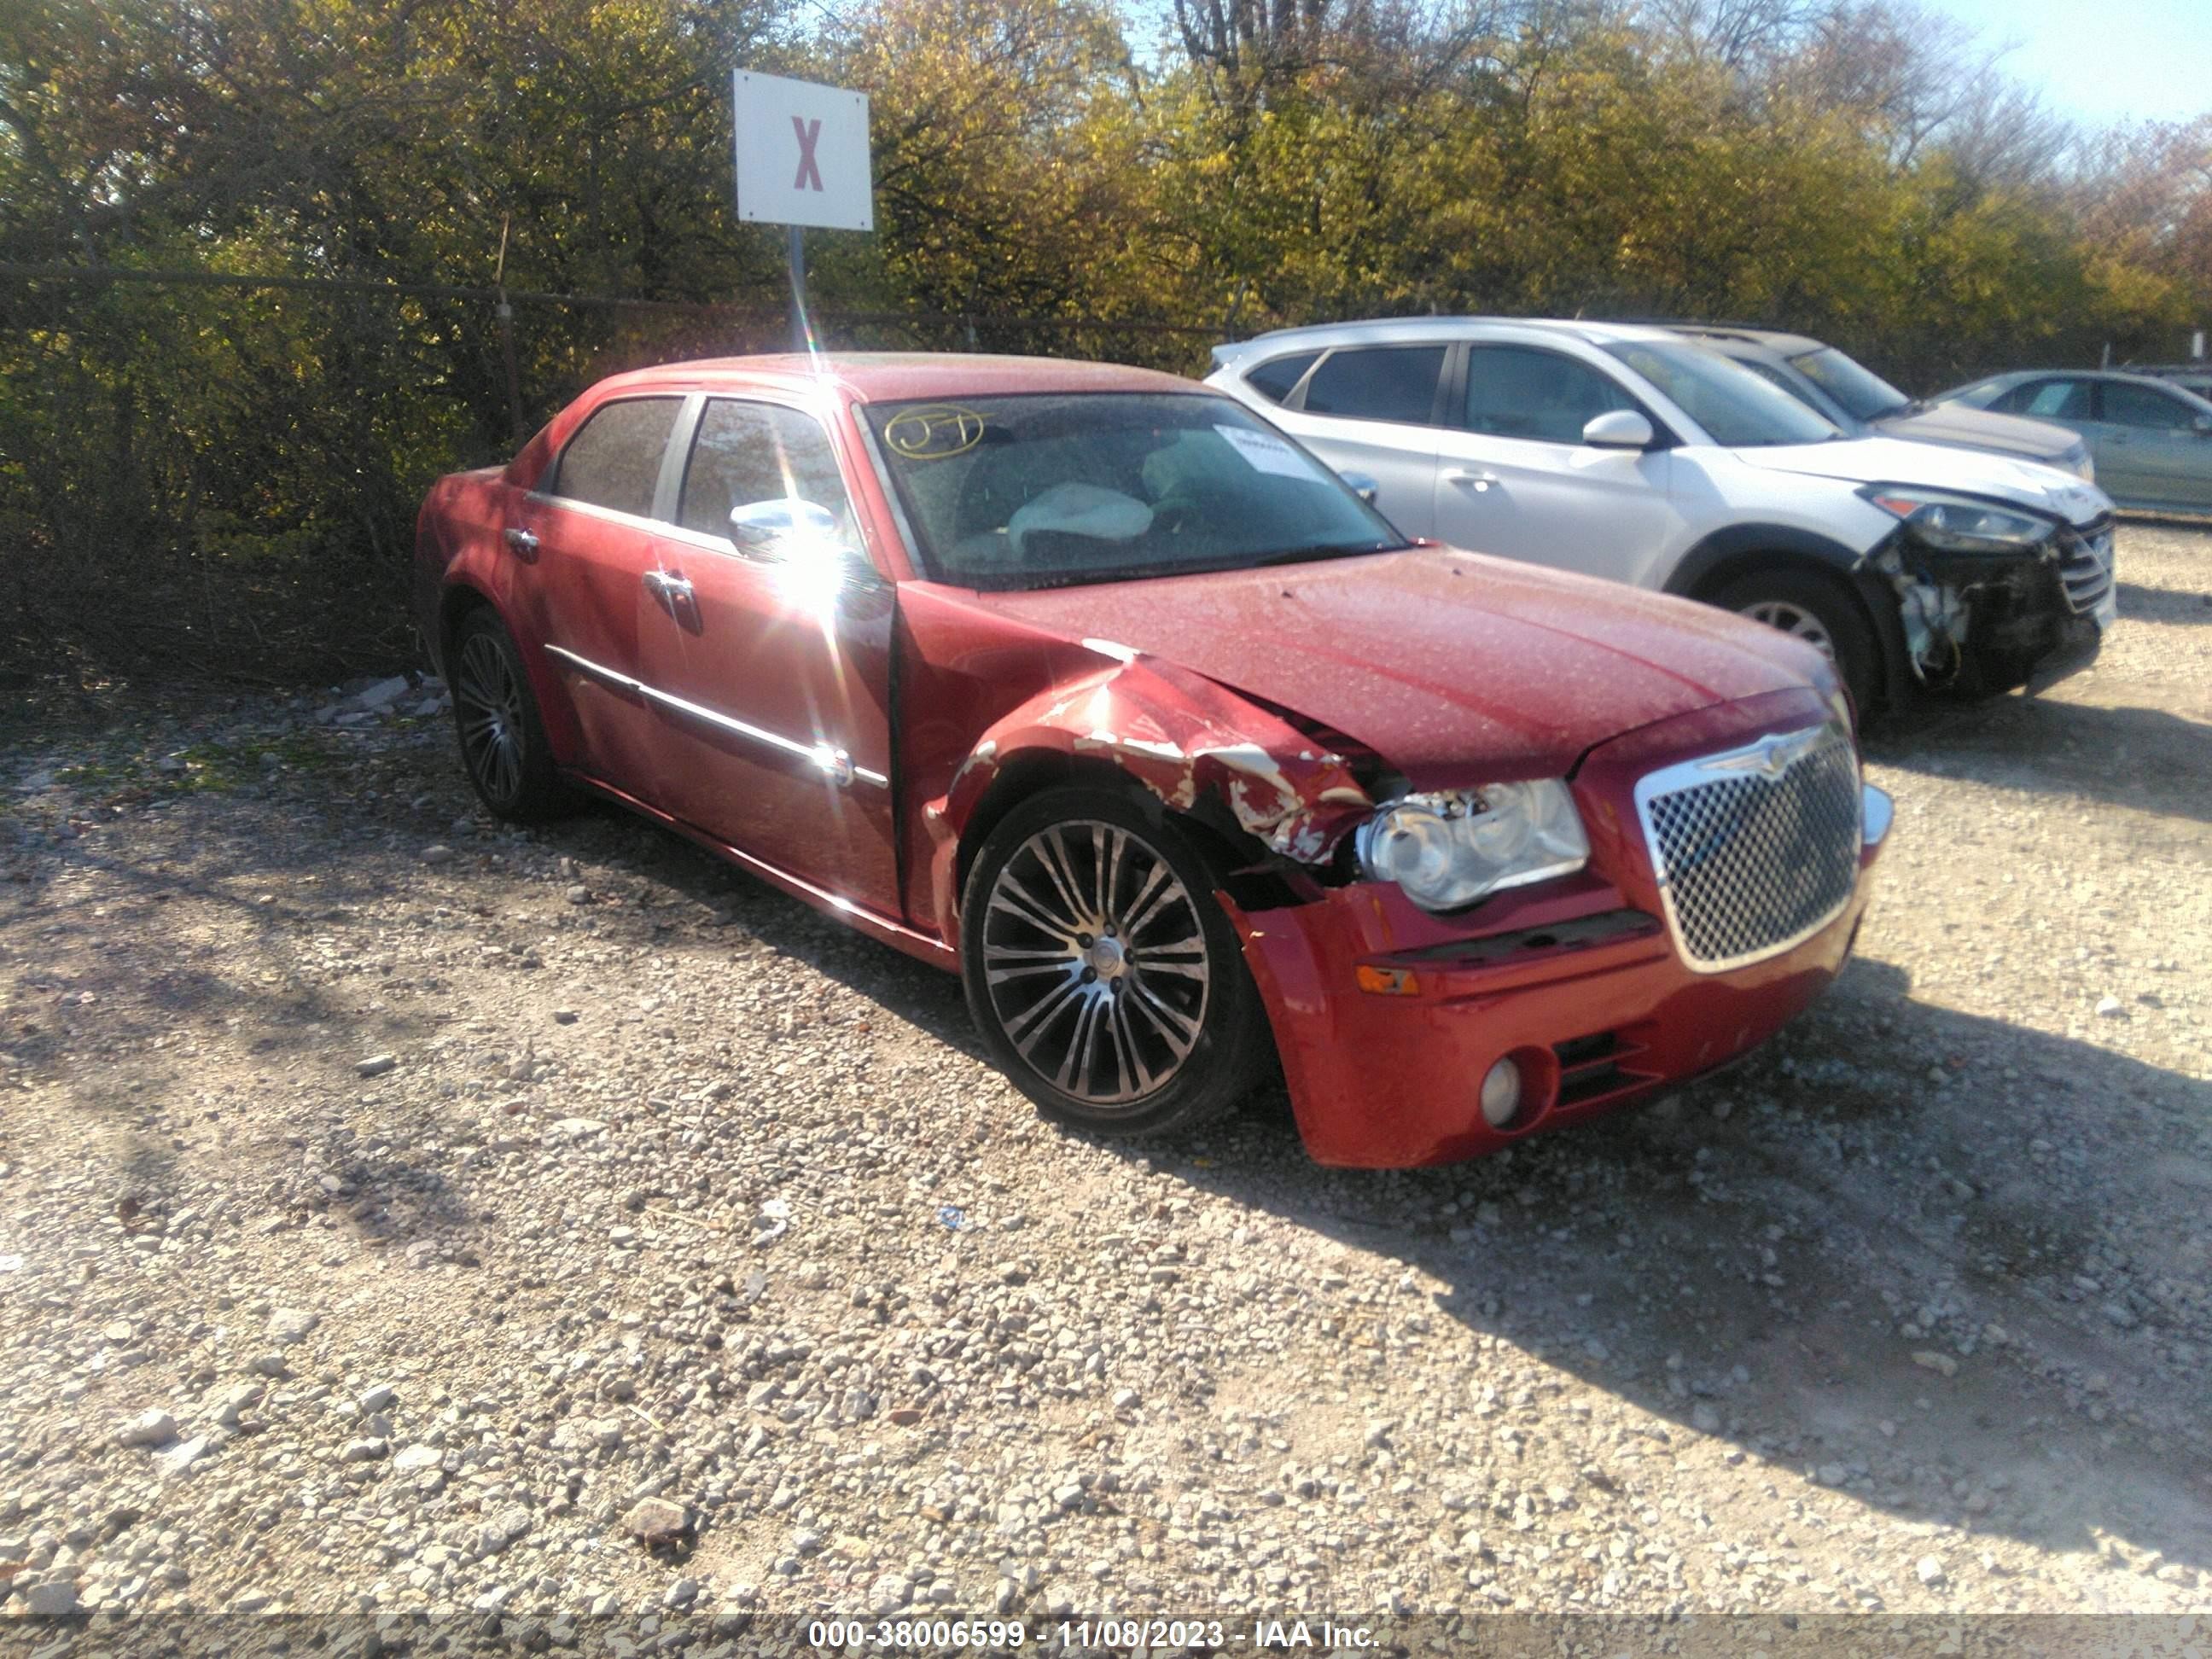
{"x": 1985, "y": 618}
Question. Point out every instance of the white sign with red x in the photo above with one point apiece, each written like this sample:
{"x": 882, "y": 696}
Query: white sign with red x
{"x": 802, "y": 153}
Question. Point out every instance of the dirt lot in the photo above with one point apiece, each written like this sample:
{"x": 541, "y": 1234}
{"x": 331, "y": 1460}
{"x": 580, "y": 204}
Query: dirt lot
{"x": 671, "y": 1190}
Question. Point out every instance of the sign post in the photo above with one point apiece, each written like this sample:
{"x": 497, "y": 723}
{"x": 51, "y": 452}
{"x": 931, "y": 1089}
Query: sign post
{"x": 802, "y": 156}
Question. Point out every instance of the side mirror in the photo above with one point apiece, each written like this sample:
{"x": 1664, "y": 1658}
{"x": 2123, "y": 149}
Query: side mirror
{"x": 761, "y": 526}
{"x": 1361, "y": 485}
{"x": 1619, "y": 428}
{"x": 802, "y": 538}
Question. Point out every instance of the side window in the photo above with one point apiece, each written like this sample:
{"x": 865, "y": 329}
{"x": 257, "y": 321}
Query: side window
{"x": 614, "y": 460}
{"x": 1521, "y": 392}
{"x": 763, "y": 456}
{"x": 1273, "y": 381}
{"x": 2144, "y": 406}
{"x": 1377, "y": 383}
{"x": 2058, "y": 400}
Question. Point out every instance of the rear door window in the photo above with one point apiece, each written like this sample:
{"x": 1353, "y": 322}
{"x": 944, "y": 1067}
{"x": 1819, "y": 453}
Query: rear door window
{"x": 1275, "y": 380}
{"x": 1377, "y": 383}
{"x": 1524, "y": 392}
{"x": 614, "y": 460}
{"x": 2144, "y": 406}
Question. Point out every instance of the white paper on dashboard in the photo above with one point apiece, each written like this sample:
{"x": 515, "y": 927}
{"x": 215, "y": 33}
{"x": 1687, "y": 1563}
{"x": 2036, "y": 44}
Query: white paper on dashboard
{"x": 1266, "y": 452}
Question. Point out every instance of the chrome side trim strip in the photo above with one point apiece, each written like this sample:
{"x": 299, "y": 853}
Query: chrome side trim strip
{"x": 831, "y": 762}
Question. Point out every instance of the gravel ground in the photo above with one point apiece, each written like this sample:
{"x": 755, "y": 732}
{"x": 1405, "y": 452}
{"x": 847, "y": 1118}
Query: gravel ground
{"x": 399, "y": 1211}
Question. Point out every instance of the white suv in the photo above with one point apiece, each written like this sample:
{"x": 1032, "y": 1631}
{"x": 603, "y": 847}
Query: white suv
{"x": 1631, "y": 453}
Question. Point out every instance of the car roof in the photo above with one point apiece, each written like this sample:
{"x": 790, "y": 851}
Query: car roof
{"x": 1773, "y": 339}
{"x": 898, "y": 376}
{"x": 1390, "y": 331}
{"x": 2013, "y": 376}
{"x": 1728, "y": 346}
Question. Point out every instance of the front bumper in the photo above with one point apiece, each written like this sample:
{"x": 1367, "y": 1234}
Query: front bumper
{"x": 1385, "y": 1037}
{"x": 2009, "y": 622}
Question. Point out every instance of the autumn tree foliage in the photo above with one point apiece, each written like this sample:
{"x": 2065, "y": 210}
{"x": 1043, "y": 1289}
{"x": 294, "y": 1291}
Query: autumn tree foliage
{"x": 223, "y": 479}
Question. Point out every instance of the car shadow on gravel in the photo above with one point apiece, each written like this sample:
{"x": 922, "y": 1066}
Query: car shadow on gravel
{"x": 2164, "y": 604}
{"x": 1841, "y": 1268}
{"x": 2144, "y": 758}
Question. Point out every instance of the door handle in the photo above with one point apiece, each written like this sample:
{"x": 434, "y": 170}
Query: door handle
{"x": 669, "y": 587}
{"x": 1478, "y": 481}
{"x": 523, "y": 542}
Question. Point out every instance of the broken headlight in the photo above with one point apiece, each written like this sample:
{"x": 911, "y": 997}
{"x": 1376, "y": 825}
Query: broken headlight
{"x": 1448, "y": 849}
{"x": 1960, "y": 523}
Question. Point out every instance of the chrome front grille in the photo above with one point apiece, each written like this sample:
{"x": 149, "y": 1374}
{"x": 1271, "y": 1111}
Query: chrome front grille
{"x": 1756, "y": 849}
{"x": 2085, "y": 567}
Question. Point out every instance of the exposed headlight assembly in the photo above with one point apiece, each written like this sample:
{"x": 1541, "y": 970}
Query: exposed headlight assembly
{"x": 1960, "y": 523}
{"x": 1448, "y": 849}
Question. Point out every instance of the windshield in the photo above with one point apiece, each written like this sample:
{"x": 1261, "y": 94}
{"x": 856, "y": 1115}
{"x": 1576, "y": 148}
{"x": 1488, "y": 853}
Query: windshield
{"x": 1853, "y": 385}
{"x": 1798, "y": 388}
{"x": 1737, "y": 409}
{"x": 1047, "y": 489}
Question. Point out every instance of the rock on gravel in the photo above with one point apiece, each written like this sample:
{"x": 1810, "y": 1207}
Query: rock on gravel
{"x": 150, "y": 1428}
{"x": 655, "y": 1521}
{"x": 51, "y": 1599}
{"x": 290, "y": 1325}
{"x": 183, "y": 1456}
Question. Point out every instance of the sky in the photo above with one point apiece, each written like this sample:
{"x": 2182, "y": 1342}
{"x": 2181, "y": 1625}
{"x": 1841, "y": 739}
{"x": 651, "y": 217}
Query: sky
{"x": 2103, "y": 61}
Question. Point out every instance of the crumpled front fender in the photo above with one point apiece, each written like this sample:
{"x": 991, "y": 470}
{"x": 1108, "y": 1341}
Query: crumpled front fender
{"x": 1182, "y": 738}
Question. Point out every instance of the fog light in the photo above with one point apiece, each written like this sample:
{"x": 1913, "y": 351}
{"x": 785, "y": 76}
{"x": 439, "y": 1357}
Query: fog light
{"x": 1501, "y": 1093}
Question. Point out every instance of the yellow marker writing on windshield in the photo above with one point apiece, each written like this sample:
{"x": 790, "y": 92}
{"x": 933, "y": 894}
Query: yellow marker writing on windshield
{"x": 934, "y": 431}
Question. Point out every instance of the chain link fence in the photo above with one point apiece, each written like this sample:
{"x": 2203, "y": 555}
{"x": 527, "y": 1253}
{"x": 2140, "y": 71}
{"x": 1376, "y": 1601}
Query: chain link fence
{"x": 214, "y": 474}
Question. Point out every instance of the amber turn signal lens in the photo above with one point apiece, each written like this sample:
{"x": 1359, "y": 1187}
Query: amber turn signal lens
{"x": 1388, "y": 982}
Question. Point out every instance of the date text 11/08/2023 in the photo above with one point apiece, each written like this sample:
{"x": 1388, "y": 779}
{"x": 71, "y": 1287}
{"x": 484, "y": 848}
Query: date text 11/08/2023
{"x": 1002, "y": 1635}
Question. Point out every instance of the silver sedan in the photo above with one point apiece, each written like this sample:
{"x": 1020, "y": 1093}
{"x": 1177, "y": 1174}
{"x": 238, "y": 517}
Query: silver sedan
{"x": 2152, "y": 440}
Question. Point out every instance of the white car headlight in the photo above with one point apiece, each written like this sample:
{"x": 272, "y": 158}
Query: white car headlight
{"x": 1448, "y": 849}
{"x": 1960, "y": 523}
{"x": 2085, "y": 464}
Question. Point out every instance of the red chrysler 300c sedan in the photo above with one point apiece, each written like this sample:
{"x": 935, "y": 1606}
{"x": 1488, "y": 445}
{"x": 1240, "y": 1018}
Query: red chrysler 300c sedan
{"x": 1087, "y": 683}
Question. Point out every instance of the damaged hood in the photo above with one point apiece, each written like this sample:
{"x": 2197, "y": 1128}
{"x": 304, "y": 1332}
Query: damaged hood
{"x": 1453, "y": 667}
{"x": 2040, "y": 488}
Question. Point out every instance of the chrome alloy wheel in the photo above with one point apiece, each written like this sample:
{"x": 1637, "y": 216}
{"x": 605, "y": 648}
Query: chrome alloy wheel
{"x": 1094, "y": 955}
{"x": 488, "y": 700}
{"x": 1795, "y": 621}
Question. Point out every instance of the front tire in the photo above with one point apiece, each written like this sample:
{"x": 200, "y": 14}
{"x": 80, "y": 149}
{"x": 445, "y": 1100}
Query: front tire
{"x": 503, "y": 744}
{"x": 1105, "y": 981}
{"x": 1820, "y": 612}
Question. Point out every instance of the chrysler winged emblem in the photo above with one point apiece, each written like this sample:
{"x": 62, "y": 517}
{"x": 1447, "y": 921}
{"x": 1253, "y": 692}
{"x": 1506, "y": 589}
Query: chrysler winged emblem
{"x": 1773, "y": 754}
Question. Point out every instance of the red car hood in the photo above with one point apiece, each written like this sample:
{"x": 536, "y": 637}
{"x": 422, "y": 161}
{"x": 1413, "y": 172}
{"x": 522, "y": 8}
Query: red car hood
{"x": 1450, "y": 665}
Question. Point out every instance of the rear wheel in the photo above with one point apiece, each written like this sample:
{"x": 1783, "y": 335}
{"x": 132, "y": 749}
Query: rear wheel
{"x": 1820, "y": 612}
{"x": 1106, "y": 983}
{"x": 503, "y": 746}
